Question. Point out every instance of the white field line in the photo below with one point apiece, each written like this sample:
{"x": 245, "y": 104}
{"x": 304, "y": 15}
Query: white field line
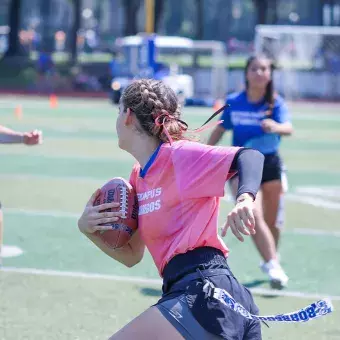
{"x": 11, "y": 103}
{"x": 55, "y": 156}
{"x": 307, "y": 117}
{"x": 61, "y": 214}
{"x": 47, "y": 213}
{"x": 74, "y": 179}
{"x": 46, "y": 108}
{"x": 313, "y": 232}
{"x": 314, "y": 201}
{"x": 329, "y": 192}
{"x": 141, "y": 280}
{"x": 92, "y": 103}
{"x": 48, "y": 272}
{"x": 305, "y": 198}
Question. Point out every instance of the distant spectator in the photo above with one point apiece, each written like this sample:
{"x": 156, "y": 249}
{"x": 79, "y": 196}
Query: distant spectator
{"x": 46, "y": 71}
{"x": 85, "y": 82}
{"x": 45, "y": 64}
{"x": 114, "y": 65}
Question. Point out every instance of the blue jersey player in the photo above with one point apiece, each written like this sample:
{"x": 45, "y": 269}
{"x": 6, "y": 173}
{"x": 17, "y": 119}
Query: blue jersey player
{"x": 258, "y": 117}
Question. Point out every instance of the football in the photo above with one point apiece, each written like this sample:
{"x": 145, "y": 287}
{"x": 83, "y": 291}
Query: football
{"x": 119, "y": 190}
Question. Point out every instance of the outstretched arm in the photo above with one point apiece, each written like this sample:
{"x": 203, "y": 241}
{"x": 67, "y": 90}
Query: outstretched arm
{"x": 280, "y": 122}
{"x": 283, "y": 129}
{"x": 249, "y": 165}
{"x": 216, "y": 135}
{"x": 8, "y": 136}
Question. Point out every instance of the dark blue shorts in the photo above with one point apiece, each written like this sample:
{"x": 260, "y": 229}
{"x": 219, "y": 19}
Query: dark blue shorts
{"x": 272, "y": 168}
{"x": 196, "y": 317}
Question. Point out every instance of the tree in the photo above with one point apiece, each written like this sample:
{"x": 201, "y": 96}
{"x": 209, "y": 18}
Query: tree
{"x": 175, "y": 21}
{"x": 47, "y": 39}
{"x": 266, "y": 11}
{"x": 262, "y": 11}
{"x": 199, "y": 20}
{"x": 14, "y": 46}
{"x": 131, "y": 8}
{"x": 273, "y": 12}
{"x": 158, "y": 12}
{"x": 77, "y": 5}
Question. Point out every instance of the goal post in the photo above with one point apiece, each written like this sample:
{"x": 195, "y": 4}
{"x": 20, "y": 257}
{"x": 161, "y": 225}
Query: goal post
{"x": 211, "y": 69}
{"x": 307, "y": 57}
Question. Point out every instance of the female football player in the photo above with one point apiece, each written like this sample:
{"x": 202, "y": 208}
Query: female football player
{"x": 178, "y": 221}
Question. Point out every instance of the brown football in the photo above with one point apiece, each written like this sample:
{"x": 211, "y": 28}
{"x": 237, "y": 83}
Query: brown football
{"x": 119, "y": 190}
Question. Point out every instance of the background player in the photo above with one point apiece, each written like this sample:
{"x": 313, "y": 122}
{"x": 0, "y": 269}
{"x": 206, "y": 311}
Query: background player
{"x": 258, "y": 117}
{"x": 8, "y": 136}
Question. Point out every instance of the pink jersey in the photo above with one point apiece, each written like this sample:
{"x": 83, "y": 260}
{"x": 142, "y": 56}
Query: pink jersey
{"x": 179, "y": 198}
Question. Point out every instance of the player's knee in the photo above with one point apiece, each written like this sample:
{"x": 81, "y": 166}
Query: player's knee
{"x": 258, "y": 215}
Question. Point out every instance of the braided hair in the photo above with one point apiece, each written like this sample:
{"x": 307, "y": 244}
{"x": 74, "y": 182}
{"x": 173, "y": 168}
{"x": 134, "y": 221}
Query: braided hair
{"x": 151, "y": 100}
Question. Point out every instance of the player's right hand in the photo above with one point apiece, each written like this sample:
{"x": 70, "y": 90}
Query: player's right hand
{"x": 241, "y": 219}
{"x": 89, "y": 222}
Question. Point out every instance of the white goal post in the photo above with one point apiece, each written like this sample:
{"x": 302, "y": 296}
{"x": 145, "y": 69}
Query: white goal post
{"x": 308, "y": 58}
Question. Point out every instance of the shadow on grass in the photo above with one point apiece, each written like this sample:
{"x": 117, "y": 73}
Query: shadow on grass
{"x": 151, "y": 292}
{"x": 255, "y": 283}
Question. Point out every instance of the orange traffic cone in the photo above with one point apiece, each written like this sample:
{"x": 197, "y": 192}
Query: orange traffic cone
{"x": 53, "y": 101}
{"x": 18, "y": 111}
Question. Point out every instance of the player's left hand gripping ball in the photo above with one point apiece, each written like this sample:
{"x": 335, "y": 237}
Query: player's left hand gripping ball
{"x": 111, "y": 213}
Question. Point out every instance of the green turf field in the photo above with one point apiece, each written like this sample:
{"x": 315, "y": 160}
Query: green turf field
{"x": 51, "y": 292}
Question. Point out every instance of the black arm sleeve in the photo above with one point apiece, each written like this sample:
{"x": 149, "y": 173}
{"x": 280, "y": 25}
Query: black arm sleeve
{"x": 249, "y": 165}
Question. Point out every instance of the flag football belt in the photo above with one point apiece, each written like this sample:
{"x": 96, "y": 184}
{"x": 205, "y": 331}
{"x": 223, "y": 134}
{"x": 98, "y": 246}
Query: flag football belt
{"x": 314, "y": 310}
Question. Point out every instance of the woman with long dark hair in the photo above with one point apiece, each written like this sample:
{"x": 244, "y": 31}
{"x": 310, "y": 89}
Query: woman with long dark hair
{"x": 258, "y": 117}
